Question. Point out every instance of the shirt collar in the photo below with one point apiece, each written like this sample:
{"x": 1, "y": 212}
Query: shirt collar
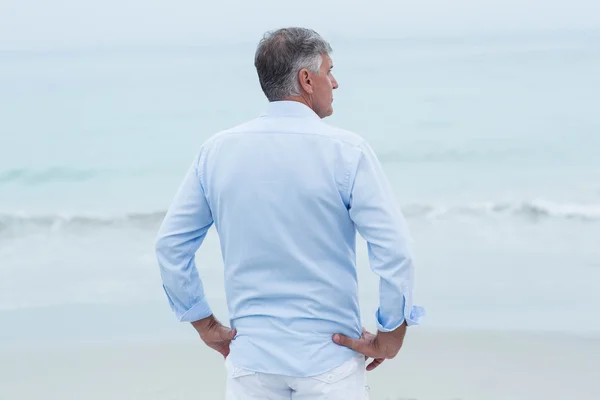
{"x": 289, "y": 108}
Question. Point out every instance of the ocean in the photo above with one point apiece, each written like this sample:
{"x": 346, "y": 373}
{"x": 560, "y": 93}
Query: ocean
{"x": 490, "y": 143}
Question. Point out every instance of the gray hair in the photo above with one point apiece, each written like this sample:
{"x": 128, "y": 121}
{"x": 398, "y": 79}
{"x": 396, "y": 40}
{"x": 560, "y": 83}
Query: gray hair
{"x": 281, "y": 54}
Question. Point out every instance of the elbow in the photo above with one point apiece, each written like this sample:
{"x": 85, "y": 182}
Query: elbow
{"x": 161, "y": 245}
{"x": 171, "y": 250}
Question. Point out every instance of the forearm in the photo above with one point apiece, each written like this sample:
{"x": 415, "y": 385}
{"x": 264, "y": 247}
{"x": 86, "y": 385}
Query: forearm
{"x": 182, "y": 284}
{"x": 396, "y": 295}
{"x": 381, "y": 223}
{"x": 181, "y": 233}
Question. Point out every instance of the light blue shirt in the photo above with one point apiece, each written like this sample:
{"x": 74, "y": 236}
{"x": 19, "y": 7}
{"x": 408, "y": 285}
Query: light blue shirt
{"x": 287, "y": 194}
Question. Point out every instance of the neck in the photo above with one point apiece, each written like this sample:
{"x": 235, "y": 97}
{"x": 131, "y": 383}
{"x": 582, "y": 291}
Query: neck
{"x": 303, "y": 98}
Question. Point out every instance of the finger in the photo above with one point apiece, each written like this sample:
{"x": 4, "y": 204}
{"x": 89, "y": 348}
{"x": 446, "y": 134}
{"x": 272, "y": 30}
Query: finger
{"x": 226, "y": 333}
{"x": 375, "y": 363}
{"x": 225, "y": 352}
{"x": 356, "y": 345}
{"x": 368, "y": 336}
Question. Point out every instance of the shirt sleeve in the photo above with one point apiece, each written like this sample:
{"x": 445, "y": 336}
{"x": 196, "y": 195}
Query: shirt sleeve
{"x": 182, "y": 232}
{"x": 380, "y": 222}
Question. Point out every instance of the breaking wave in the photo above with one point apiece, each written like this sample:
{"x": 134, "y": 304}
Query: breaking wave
{"x": 56, "y": 222}
{"x": 527, "y": 211}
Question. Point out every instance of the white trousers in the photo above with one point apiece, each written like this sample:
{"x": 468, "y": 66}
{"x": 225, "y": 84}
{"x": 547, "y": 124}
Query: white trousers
{"x": 346, "y": 382}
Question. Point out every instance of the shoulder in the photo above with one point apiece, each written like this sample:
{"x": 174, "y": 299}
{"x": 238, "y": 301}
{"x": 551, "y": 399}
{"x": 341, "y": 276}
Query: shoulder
{"x": 320, "y": 128}
{"x": 350, "y": 138}
{"x": 217, "y": 138}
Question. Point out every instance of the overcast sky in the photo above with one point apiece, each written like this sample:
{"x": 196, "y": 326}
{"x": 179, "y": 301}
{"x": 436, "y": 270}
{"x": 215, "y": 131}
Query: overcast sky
{"x": 46, "y": 24}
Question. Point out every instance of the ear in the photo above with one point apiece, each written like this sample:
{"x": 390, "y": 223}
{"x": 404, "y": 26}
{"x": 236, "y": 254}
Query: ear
{"x": 305, "y": 80}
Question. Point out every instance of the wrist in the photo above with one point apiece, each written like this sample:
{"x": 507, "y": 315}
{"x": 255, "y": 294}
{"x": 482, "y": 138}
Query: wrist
{"x": 205, "y": 324}
{"x": 396, "y": 335}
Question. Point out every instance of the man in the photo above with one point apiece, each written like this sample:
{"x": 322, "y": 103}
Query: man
{"x": 287, "y": 194}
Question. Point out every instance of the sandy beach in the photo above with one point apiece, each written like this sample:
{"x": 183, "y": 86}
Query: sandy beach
{"x": 434, "y": 365}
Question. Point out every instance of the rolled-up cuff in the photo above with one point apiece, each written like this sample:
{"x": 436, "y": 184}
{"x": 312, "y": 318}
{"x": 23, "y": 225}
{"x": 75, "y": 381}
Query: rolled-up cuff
{"x": 200, "y": 310}
{"x": 411, "y": 314}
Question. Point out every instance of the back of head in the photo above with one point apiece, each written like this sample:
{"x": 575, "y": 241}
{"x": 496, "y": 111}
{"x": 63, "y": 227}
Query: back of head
{"x": 281, "y": 54}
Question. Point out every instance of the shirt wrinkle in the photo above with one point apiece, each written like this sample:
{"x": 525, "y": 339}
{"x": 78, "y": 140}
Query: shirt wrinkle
{"x": 298, "y": 227}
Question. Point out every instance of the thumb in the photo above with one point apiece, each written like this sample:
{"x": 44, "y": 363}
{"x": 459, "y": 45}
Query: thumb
{"x": 226, "y": 333}
{"x": 345, "y": 341}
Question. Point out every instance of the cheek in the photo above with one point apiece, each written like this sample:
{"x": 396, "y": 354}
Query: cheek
{"x": 325, "y": 90}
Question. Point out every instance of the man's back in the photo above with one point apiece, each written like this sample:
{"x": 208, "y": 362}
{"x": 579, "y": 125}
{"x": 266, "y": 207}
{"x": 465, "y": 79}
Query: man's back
{"x": 287, "y": 194}
{"x": 278, "y": 188}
